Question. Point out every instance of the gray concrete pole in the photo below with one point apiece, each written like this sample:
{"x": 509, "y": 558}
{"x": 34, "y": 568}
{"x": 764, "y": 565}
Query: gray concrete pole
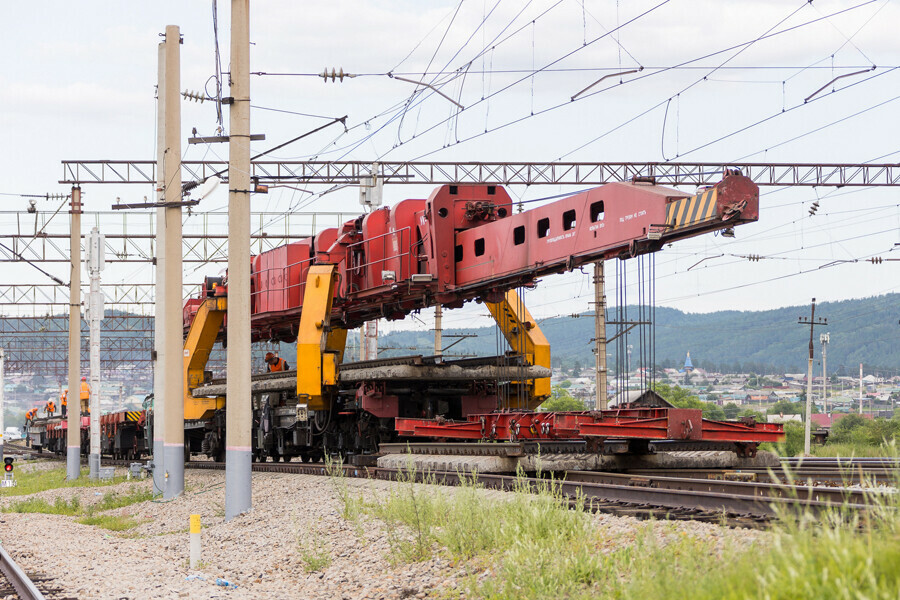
{"x": 825, "y": 376}
{"x": 600, "y": 400}
{"x": 438, "y": 330}
{"x": 2, "y": 423}
{"x": 159, "y": 372}
{"x": 173, "y": 394}
{"x": 239, "y": 416}
{"x": 95, "y": 315}
{"x": 73, "y": 434}
{"x": 809, "y": 387}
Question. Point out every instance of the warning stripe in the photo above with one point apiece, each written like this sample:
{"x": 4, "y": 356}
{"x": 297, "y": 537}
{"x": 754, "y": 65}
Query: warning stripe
{"x": 133, "y": 415}
{"x": 692, "y": 210}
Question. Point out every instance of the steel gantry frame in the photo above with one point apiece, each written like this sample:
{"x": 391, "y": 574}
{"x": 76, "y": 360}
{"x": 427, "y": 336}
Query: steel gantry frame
{"x": 131, "y": 235}
{"x": 82, "y": 172}
{"x": 37, "y": 345}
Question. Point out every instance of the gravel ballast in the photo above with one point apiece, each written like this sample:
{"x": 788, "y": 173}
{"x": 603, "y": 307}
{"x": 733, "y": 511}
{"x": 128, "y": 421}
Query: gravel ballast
{"x": 260, "y": 552}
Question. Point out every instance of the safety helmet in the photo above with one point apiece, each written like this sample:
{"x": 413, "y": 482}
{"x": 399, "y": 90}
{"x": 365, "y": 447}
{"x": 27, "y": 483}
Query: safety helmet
{"x": 84, "y": 378}
{"x": 269, "y": 356}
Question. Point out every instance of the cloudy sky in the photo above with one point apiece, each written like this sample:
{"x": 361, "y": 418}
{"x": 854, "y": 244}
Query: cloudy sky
{"x": 78, "y": 78}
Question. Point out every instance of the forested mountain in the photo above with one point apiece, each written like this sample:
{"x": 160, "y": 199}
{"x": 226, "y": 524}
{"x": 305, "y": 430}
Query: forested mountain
{"x": 862, "y": 331}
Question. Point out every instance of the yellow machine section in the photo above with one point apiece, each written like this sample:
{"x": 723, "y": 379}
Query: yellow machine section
{"x": 526, "y": 338}
{"x": 198, "y": 344}
{"x": 692, "y": 210}
{"x": 319, "y": 348}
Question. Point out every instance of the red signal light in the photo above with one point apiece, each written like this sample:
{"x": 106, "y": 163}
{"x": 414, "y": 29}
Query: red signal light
{"x": 8, "y": 467}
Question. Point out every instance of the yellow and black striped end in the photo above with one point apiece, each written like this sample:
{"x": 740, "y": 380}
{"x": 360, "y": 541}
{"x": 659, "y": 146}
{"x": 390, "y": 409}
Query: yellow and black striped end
{"x": 133, "y": 415}
{"x": 685, "y": 212}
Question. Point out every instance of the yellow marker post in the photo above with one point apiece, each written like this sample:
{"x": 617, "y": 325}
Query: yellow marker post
{"x": 195, "y": 541}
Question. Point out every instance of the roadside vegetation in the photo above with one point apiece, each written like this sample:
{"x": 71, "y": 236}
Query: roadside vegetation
{"x": 32, "y": 482}
{"x": 90, "y": 514}
{"x": 534, "y": 546}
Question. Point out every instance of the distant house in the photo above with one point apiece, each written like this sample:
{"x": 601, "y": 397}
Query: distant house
{"x": 784, "y": 418}
{"x": 638, "y": 398}
{"x": 826, "y": 421}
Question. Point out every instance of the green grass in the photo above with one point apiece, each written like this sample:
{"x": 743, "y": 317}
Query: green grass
{"x": 111, "y": 522}
{"x": 849, "y": 449}
{"x": 90, "y": 514}
{"x": 40, "y": 480}
{"x": 314, "y": 551}
{"x": 39, "y": 505}
{"x": 533, "y": 546}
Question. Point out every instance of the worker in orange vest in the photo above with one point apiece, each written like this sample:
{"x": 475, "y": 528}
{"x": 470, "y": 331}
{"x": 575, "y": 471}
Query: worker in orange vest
{"x": 50, "y": 408}
{"x": 85, "y": 396}
{"x": 63, "y": 401}
{"x": 30, "y": 415}
{"x": 275, "y": 363}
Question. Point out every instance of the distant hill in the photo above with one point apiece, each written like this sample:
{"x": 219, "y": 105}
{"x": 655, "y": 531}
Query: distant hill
{"x": 862, "y": 331}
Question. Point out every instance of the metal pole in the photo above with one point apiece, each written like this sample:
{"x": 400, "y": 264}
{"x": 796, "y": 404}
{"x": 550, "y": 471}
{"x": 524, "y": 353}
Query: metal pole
{"x": 173, "y": 436}
{"x": 438, "y": 330}
{"x": 95, "y": 314}
{"x": 159, "y": 373}
{"x": 601, "y": 400}
{"x": 860, "y": 388}
{"x": 73, "y": 433}
{"x": 2, "y": 423}
{"x": 239, "y": 415}
{"x": 806, "y": 426}
{"x": 825, "y": 338}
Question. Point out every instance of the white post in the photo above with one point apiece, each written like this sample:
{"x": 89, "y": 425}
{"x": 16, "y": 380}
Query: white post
{"x": 94, "y": 261}
{"x": 195, "y": 541}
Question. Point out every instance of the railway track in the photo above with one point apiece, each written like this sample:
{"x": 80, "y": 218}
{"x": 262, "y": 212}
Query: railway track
{"x": 735, "y": 503}
{"x": 698, "y": 494}
{"x": 14, "y": 582}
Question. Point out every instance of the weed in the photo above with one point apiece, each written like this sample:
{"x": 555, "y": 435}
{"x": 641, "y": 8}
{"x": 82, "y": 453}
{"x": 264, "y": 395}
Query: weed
{"x": 314, "y": 551}
{"x": 39, "y": 481}
{"x": 111, "y": 522}
{"x": 351, "y": 502}
{"x": 38, "y": 505}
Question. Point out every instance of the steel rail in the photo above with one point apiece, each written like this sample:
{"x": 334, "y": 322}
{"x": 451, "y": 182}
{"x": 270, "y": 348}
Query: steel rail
{"x": 835, "y": 496}
{"x": 20, "y": 582}
{"x": 645, "y": 498}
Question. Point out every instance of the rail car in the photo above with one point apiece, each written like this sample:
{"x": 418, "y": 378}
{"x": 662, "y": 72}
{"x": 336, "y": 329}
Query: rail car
{"x": 123, "y": 434}
{"x": 463, "y": 243}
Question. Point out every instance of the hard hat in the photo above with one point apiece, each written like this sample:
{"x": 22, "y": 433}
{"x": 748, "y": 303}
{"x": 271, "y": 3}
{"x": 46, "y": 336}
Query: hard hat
{"x": 84, "y": 378}
{"x": 269, "y": 356}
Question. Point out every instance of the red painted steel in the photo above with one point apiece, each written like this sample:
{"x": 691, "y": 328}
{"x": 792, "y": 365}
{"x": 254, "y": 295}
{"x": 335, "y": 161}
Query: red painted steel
{"x": 466, "y": 242}
{"x": 640, "y": 423}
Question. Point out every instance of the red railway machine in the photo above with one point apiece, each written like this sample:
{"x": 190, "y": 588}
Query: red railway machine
{"x": 462, "y": 243}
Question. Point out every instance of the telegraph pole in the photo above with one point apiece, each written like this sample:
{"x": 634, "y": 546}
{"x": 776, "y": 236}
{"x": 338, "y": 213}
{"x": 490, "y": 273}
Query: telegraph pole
{"x": 824, "y": 339}
{"x": 860, "y": 388}
{"x": 600, "y": 401}
{"x": 159, "y": 371}
{"x": 2, "y": 424}
{"x": 239, "y": 414}
{"x": 438, "y": 330}
{"x": 809, "y": 372}
{"x": 95, "y": 263}
{"x": 173, "y": 436}
{"x": 73, "y": 433}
